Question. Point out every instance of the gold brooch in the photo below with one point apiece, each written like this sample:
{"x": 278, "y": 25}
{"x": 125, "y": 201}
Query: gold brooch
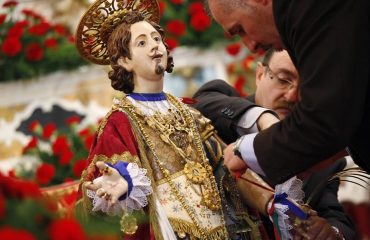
{"x": 212, "y": 200}
{"x": 195, "y": 172}
{"x": 100, "y": 20}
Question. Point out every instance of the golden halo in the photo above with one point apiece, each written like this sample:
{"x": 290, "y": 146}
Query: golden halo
{"x": 99, "y": 21}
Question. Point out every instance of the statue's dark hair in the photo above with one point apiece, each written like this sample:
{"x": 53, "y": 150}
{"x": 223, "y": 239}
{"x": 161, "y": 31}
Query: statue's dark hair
{"x": 119, "y": 46}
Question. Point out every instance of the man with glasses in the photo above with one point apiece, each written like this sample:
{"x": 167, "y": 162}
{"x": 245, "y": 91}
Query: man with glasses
{"x": 277, "y": 82}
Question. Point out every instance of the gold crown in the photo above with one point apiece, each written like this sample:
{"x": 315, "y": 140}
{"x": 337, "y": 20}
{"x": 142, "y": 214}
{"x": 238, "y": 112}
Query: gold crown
{"x": 100, "y": 20}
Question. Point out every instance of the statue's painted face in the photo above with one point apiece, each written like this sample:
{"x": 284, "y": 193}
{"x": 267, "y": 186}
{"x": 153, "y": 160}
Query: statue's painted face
{"x": 148, "y": 53}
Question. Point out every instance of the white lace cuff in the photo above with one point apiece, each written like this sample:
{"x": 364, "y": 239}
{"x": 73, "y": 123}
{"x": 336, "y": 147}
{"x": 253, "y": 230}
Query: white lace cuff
{"x": 137, "y": 198}
{"x": 292, "y": 190}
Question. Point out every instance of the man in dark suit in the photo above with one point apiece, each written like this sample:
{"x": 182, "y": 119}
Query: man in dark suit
{"x": 328, "y": 42}
{"x": 277, "y": 83}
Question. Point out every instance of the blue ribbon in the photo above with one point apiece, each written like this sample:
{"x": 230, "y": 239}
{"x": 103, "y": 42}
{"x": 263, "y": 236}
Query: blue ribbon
{"x": 121, "y": 167}
{"x": 282, "y": 199}
{"x": 149, "y": 97}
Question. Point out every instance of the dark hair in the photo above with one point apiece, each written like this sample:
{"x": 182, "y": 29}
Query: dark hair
{"x": 118, "y": 46}
{"x": 267, "y": 57}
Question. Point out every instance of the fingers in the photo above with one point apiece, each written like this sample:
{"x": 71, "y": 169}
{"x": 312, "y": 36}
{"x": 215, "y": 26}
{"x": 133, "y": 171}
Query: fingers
{"x": 92, "y": 186}
{"x": 101, "y": 192}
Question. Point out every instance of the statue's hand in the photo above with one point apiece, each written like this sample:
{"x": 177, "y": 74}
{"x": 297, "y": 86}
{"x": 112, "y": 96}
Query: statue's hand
{"x": 110, "y": 186}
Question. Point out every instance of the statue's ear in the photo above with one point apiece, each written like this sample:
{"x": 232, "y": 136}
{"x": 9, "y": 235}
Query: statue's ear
{"x": 126, "y": 63}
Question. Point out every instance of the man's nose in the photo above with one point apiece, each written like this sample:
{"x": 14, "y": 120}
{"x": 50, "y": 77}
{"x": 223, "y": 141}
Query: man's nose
{"x": 291, "y": 94}
{"x": 251, "y": 45}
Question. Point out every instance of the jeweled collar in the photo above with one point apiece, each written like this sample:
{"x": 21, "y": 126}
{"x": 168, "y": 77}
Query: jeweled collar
{"x": 148, "y": 97}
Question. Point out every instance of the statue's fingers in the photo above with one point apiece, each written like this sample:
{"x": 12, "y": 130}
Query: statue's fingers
{"x": 100, "y": 192}
{"x": 92, "y": 186}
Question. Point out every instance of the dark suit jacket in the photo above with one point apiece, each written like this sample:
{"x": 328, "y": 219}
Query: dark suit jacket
{"x": 329, "y": 43}
{"x": 221, "y": 103}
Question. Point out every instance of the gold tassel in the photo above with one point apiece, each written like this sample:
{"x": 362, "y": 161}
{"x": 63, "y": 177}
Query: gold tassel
{"x": 184, "y": 227}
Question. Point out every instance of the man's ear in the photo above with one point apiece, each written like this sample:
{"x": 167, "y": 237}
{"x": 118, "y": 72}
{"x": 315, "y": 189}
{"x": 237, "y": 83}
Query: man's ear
{"x": 260, "y": 71}
{"x": 126, "y": 63}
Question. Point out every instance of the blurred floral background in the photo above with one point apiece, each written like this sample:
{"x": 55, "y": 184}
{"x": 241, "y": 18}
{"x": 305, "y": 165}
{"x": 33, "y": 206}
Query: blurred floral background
{"x": 31, "y": 45}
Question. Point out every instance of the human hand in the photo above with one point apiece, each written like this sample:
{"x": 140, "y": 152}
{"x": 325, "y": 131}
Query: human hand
{"x": 235, "y": 164}
{"x": 316, "y": 228}
{"x": 110, "y": 186}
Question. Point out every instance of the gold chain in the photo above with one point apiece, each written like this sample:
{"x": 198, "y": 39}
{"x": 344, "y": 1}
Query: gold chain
{"x": 194, "y": 171}
{"x": 212, "y": 197}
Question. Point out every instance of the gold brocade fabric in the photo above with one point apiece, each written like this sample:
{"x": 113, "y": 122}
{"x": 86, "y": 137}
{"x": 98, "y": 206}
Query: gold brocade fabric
{"x": 168, "y": 156}
{"x": 211, "y": 222}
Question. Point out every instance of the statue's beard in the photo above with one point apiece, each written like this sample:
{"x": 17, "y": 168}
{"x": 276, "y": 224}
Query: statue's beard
{"x": 159, "y": 69}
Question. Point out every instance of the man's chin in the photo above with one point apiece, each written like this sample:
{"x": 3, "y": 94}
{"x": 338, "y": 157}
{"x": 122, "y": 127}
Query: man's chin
{"x": 283, "y": 112}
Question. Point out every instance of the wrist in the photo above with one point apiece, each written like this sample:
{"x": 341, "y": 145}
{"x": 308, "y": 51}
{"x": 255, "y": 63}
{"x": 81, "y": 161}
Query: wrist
{"x": 236, "y": 147}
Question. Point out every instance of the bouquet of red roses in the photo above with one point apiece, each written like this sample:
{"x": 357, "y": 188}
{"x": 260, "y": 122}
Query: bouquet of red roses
{"x": 187, "y": 23}
{"x": 30, "y": 45}
{"x": 61, "y": 153}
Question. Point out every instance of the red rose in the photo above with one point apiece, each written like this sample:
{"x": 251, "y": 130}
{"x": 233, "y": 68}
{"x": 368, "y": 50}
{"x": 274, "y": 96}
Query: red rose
{"x": 8, "y": 232}
{"x": 66, "y": 229}
{"x": 162, "y": 7}
{"x": 65, "y": 158}
{"x": 231, "y": 68}
{"x": 60, "y": 145}
{"x": 17, "y": 29}
{"x": 60, "y": 29}
{"x": 73, "y": 120}
{"x": 28, "y": 12}
{"x": 27, "y": 189}
{"x": 233, "y": 49}
{"x": 34, "y": 52}
{"x": 31, "y": 144}
{"x": 195, "y": 7}
{"x": 239, "y": 86}
{"x": 10, "y": 3}
{"x": 71, "y": 39}
{"x": 39, "y": 29}
{"x": 177, "y": 1}
{"x": 44, "y": 173}
{"x": 88, "y": 141}
{"x": 51, "y": 43}
{"x": 84, "y": 132}
{"x": 16, "y": 188}
{"x": 176, "y": 27}
{"x": 171, "y": 43}
{"x": 2, "y": 18}
{"x": 49, "y": 129}
{"x": 79, "y": 166}
{"x": 11, "y": 173}
{"x": 11, "y": 46}
{"x": 69, "y": 199}
{"x": 247, "y": 62}
{"x": 200, "y": 21}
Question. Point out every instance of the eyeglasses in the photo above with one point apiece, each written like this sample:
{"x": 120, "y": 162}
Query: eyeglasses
{"x": 280, "y": 83}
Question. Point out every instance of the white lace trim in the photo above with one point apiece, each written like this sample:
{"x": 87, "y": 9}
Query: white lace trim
{"x": 141, "y": 188}
{"x": 147, "y": 106}
{"x": 293, "y": 188}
